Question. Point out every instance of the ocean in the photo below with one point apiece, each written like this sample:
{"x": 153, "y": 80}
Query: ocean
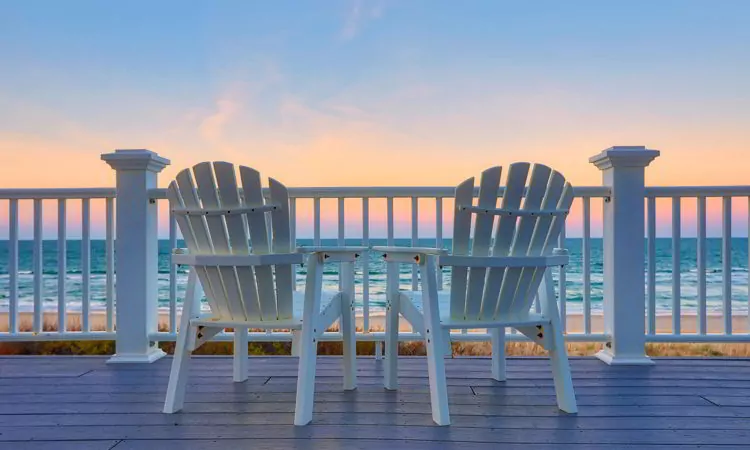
{"x": 688, "y": 270}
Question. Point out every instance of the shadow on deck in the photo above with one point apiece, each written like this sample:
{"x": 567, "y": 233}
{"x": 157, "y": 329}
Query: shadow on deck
{"x": 53, "y": 402}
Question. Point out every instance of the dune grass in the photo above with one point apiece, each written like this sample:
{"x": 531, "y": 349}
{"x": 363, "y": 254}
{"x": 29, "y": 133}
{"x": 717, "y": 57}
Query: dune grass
{"x": 416, "y": 348}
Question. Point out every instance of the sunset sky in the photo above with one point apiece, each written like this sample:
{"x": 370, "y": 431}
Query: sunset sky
{"x": 326, "y": 93}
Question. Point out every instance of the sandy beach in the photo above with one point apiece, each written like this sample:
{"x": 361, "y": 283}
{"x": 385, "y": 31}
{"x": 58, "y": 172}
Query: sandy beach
{"x": 377, "y": 321}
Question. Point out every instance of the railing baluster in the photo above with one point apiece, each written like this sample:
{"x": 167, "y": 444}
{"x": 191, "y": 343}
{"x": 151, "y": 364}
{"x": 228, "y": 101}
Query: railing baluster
{"x": 676, "y": 236}
{"x": 439, "y": 235}
{"x": 651, "y": 267}
{"x": 316, "y": 221}
{"x": 85, "y": 264}
{"x": 726, "y": 262}
{"x": 366, "y": 265}
{"x": 414, "y": 240}
{"x": 13, "y": 265}
{"x": 701, "y": 263}
{"x": 38, "y": 265}
{"x": 389, "y": 207}
{"x": 586, "y": 265}
{"x": 62, "y": 267}
{"x": 293, "y": 236}
{"x": 341, "y": 239}
{"x": 172, "y": 274}
{"x": 110, "y": 257}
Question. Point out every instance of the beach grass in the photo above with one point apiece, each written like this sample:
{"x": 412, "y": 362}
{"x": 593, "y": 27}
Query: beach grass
{"x": 413, "y": 348}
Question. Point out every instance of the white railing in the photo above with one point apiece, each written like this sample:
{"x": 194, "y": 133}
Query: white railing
{"x": 33, "y": 328}
{"x": 137, "y": 194}
{"x": 700, "y": 331}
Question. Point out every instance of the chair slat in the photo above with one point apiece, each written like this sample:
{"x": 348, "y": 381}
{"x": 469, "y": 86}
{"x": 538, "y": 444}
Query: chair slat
{"x": 565, "y": 202}
{"x": 282, "y": 244}
{"x": 204, "y": 177}
{"x": 238, "y": 237}
{"x": 259, "y": 240}
{"x": 461, "y": 232}
{"x": 523, "y": 231}
{"x": 526, "y": 290}
{"x": 514, "y": 186}
{"x": 185, "y": 196}
{"x": 209, "y": 198}
{"x": 489, "y": 184}
{"x": 209, "y": 276}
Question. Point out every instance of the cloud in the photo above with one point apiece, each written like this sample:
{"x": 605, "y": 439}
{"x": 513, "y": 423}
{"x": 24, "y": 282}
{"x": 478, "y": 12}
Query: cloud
{"x": 359, "y": 13}
{"x": 212, "y": 127}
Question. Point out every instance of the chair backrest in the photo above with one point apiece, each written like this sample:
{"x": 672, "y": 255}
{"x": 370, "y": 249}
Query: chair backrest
{"x": 528, "y": 223}
{"x": 215, "y": 218}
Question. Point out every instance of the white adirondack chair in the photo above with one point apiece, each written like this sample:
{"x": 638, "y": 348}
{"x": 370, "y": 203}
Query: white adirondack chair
{"x": 493, "y": 284}
{"x": 246, "y": 272}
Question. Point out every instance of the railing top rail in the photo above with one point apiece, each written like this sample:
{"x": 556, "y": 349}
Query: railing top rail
{"x": 379, "y": 192}
{"x": 697, "y": 191}
{"x": 396, "y": 191}
{"x": 56, "y": 193}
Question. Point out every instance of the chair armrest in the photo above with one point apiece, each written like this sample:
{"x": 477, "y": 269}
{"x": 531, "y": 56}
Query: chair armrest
{"x": 421, "y": 250}
{"x": 335, "y": 254}
{"x": 411, "y": 255}
{"x": 237, "y": 260}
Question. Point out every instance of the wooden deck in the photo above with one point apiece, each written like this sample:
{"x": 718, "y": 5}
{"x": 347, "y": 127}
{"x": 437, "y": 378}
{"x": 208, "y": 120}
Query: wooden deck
{"x": 82, "y": 403}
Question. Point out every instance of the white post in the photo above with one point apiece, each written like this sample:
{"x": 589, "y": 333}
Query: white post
{"x": 623, "y": 170}
{"x": 136, "y": 249}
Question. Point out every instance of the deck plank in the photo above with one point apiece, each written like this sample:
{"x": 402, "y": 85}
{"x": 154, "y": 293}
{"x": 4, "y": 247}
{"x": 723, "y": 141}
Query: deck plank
{"x": 59, "y": 445}
{"x": 368, "y": 397}
{"x": 373, "y": 444}
{"x": 395, "y": 432}
{"x": 380, "y": 419}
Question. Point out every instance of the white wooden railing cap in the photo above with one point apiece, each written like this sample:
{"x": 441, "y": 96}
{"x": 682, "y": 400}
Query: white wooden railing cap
{"x": 135, "y": 159}
{"x": 624, "y": 156}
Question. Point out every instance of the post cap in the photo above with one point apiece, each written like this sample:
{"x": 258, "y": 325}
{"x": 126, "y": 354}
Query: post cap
{"x": 624, "y": 156}
{"x": 135, "y": 159}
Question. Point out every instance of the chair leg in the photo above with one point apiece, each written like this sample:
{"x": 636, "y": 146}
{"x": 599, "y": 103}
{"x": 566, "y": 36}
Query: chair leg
{"x": 186, "y": 338}
{"x": 393, "y": 310}
{"x": 239, "y": 365}
{"x": 497, "y": 337}
{"x": 435, "y": 348}
{"x": 566, "y": 398}
{"x": 306, "y": 382}
{"x": 308, "y": 342}
{"x": 348, "y": 328}
{"x": 178, "y": 375}
{"x": 438, "y": 382}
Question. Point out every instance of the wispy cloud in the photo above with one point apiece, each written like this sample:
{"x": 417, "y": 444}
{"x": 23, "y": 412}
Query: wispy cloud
{"x": 212, "y": 127}
{"x": 235, "y": 100}
{"x": 359, "y": 13}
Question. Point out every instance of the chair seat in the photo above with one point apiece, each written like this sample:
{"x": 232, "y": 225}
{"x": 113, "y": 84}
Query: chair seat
{"x": 528, "y": 318}
{"x": 327, "y": 296}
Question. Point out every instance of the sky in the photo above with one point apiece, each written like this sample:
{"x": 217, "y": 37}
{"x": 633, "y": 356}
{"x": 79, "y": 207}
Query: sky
{"x": 380, "y": 92}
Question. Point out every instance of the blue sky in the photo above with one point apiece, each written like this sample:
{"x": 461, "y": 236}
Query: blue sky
{"x": 374, "y": 88}
{"x": 488, "y": 74}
